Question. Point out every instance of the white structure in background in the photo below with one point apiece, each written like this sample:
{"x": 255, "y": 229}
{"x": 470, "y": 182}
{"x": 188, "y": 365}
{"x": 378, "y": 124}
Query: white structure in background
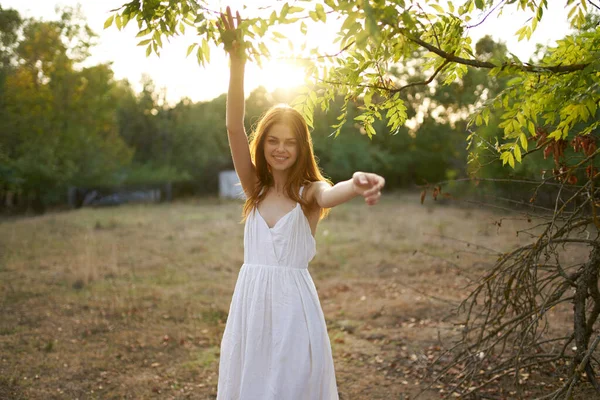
{"x": 229, "y": 186}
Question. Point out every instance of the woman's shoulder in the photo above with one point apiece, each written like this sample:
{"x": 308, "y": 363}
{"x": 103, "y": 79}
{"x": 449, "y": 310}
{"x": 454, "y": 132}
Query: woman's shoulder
{"x": 311, "y": 188}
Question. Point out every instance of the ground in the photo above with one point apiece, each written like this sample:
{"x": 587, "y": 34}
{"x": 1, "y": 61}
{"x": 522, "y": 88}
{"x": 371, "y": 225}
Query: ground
{"x": 131, "y": 301}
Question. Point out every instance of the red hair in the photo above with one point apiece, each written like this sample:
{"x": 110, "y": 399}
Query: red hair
{"x": 304, "y": 171}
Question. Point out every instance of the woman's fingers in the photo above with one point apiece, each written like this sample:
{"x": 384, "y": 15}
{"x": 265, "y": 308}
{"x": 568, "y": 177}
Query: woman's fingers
{"x": 377, "y": 185}
{"x": 370, "y": 185}
{"x": 370, "y": 192}
{"x": 224, "y": 22}
{"x": 230, "y": 18}
{"x": 373, "y": 194}
{"x": 227, "y": 19}
{"x": 373, "y": 199}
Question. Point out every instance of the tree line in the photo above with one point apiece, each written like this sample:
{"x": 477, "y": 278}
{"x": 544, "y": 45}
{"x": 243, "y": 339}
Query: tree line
{"x": 65, "y": 125}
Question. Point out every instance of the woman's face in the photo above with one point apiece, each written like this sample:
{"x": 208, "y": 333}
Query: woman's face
{"x": 280, "y": 147}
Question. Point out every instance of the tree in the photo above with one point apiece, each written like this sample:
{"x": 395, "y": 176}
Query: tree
{"x": 551, "y": 101}
{"x": 58, "y": 127}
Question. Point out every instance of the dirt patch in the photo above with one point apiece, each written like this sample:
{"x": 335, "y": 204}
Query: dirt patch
{"x": 131, "y": 302}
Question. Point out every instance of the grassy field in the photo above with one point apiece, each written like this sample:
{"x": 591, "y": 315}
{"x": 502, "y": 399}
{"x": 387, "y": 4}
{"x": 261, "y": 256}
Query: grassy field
{"x": 130, "y": 302}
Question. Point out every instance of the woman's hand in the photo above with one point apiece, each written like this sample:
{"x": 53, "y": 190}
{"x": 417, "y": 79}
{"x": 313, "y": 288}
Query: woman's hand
{"x": 231, "y": 35}
{"x": 368, "y": 185}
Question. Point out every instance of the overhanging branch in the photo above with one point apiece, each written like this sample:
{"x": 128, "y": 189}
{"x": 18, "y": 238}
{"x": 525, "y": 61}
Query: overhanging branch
{"x": 427, "y": 82}
{"x": 486, "y": 64}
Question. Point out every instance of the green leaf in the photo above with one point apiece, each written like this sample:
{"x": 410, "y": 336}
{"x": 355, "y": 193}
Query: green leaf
{"x": 149, "y": 50}
{"x": 517, "y": 151}
{"x": 438, "y": 8}
{"x": 143, "y": 32}
{"x": 522, "y": 32}
{"x": 284, "y": 11}
{"x": 308, "y": 116}
{"x": 109, "y": 21}
{"x": 312, "y": 95}
{"x": 367, "y": 98}
{"x": 321, "y": 13}
{"x": 348, "y": 22}
{"x": 191, "y": 48}
{"x": 303, "y": 28}
{"x": 523, "y": 139}
{"x": 531, "y": 129}
{"x": 205, "y": 50}
{"x": 370, "y": 130}
{"x": 144, "y": 42}
{"x": 157, "y": 38}
{"x": 511, "y": 160}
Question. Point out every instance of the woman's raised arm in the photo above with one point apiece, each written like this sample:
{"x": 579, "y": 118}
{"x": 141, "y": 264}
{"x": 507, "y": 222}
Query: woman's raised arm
{"x": 238, "y": 141}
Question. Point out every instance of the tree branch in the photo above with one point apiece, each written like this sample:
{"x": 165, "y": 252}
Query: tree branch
{"x": 590, "y": 1}
{"x": 427, "y": 82}
{"x": 485, "y": 64}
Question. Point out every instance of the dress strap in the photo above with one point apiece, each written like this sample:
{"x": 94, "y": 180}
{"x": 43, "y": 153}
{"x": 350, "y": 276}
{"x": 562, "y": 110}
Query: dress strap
{"x": 301, "y": 190}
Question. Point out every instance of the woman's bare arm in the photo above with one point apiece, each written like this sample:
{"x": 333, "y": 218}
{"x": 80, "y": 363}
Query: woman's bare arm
{"x": 238, "y": 141}
{"x": 363, "y": 184}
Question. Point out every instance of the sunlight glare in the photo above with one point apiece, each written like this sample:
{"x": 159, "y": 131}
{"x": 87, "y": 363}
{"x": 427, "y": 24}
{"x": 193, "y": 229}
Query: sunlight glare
{"x": 278, "y": 74}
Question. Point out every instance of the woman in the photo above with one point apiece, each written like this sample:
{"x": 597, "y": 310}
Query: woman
{"x": 275, "y": 345}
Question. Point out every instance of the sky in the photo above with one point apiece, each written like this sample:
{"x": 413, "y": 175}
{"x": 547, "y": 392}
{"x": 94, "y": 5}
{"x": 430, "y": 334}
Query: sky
{"x": 183, "y": 77}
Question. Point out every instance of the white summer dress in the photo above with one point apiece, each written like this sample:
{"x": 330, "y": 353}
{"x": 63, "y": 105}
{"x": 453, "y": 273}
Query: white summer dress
{"x": 275, "y": 345}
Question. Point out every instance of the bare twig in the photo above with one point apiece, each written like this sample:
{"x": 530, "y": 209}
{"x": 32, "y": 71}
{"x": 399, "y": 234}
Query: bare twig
{"x": 487, "y": 15}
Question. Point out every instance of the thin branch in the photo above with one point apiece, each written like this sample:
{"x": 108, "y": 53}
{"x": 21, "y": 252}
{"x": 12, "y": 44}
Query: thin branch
{"x": 447, "y": 301}
{"x": 592, "y": 3}
{"x": 543, "y": 182}
{"x": 424, "y": 83}
{"x": 353, "y": 84}
{"x": 487, "y": 15}
{"x": 432, "y": 26}
{"x": 581, "y": 367}
{"x": 593, "y": 243}
{"x": 492, "y": 251}
{"x": 327, "y": 55}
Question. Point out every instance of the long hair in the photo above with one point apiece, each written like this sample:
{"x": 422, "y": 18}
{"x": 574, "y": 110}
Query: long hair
{"x": 304, "y": 171}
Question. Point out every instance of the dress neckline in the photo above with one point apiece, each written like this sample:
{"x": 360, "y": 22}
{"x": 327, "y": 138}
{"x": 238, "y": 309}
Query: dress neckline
{"x": 280, "y": 219}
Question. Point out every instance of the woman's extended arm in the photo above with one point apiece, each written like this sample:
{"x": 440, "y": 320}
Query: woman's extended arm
{"x": 238, "y": 141}
{"x": 364, "y": 184}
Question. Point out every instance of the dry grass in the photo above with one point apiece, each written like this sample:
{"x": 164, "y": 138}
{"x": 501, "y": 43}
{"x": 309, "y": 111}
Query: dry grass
{"x": 130, "y": 302}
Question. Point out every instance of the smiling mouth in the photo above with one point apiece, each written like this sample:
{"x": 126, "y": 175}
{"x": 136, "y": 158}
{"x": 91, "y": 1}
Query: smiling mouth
{"x": 279, "y": 158}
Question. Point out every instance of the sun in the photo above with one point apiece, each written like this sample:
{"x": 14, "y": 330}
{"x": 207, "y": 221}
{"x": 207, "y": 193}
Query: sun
{"x": 277, "y": 74}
